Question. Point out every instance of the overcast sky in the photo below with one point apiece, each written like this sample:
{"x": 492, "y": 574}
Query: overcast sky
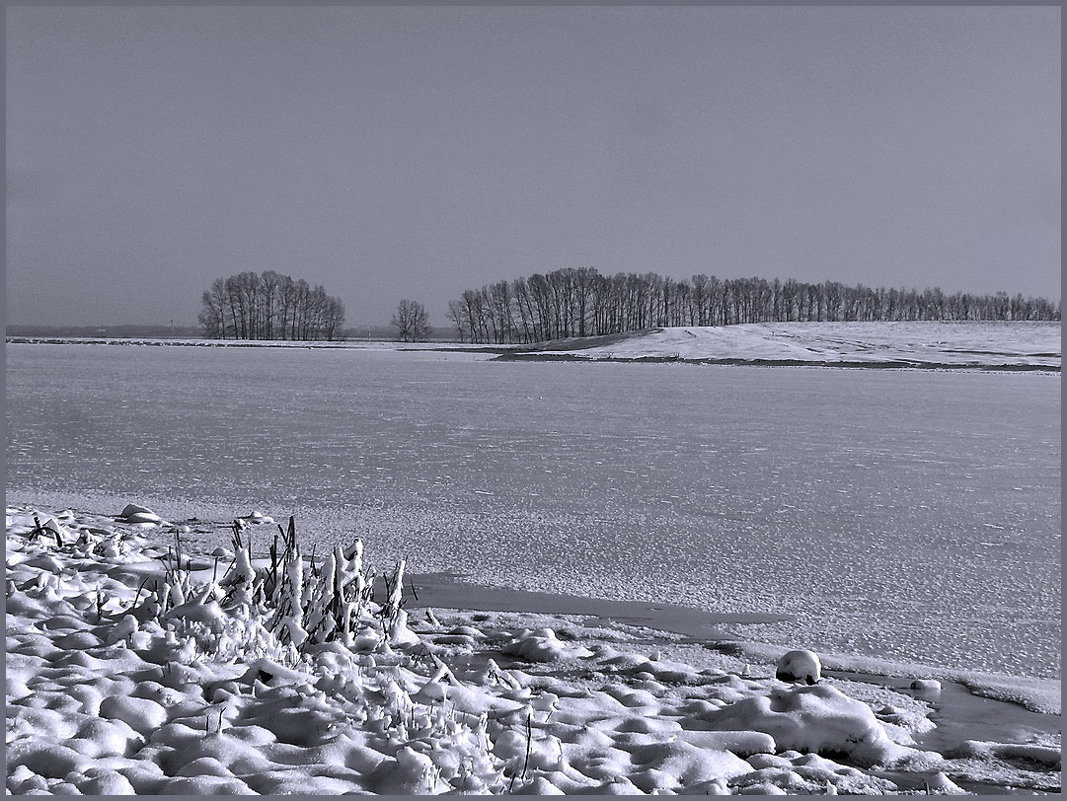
{"x": 390, "y": 152}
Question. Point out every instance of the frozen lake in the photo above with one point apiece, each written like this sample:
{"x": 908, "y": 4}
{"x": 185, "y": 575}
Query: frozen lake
{"x": 909, "y": 515}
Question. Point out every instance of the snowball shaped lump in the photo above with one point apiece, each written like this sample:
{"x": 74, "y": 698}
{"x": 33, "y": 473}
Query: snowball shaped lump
{"x": 799, "y": 666}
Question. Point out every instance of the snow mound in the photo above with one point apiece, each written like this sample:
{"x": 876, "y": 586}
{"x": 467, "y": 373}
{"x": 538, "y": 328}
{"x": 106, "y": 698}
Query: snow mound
{"x": 134, "y": 514}
{"x": 819, "y": 719}
{"x": 800, "y": 665}
{"x": 543, "y": 645}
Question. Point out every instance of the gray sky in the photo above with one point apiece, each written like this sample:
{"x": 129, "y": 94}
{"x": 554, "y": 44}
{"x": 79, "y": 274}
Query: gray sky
{"x": 390, "y": 152}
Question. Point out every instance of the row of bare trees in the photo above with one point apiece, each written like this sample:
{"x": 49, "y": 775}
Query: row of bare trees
{"x": 269, "y": 306}
{"x": 579, "y": 302}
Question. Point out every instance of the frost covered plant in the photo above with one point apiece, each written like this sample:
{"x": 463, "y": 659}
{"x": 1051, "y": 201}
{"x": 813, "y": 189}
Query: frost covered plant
{"x": 241, "y": 580}
{"x": 288, "y": 619}
{"x": 392, "y": 613}
{"x": 300, "y": 603}
{"x": 49, "y": 528}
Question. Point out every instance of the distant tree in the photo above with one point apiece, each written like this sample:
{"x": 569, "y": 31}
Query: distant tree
{"x": 580, "y": 302}
{"x": 269, "y": 306}
{"x": 411, "y": 321}
{"x": 212, "y": 317}
{"x": 458, "y": 318}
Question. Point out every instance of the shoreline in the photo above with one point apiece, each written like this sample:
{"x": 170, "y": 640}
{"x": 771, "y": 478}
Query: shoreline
{"x": 698, "y": 627}
{"x": 969, "y": 346}
{"x": 965, "y": 708}
{"x": 517, "y": 353}
{"x": 887, "y": 364}
{"x": 452, "y": 590}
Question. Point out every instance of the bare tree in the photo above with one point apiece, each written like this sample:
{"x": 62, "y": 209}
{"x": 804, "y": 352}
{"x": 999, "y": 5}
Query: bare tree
{"x": 213, "y": 316}
{"x": 412, "y": 322}
{"x": 269, "y": 306}
{"x": 458, "y": 318}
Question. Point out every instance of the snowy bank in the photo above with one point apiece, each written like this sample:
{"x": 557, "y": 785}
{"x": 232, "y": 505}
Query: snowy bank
{"x": 988, "y": 345}
{"x": 135, "y": 668}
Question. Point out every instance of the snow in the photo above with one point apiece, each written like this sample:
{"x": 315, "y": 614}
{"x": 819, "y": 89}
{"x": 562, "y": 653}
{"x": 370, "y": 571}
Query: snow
{"x": 133, "y": 513}
{"x": 133, "y": 669}
{"x": 902, "y": 344}
{"x": 800, "y": 665}
{"x": 819, "y": 719}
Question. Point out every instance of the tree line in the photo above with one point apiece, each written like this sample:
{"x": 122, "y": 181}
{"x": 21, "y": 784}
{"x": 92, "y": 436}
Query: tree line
{"x": 269, "y": 306}
{"x": 579, "y": 302}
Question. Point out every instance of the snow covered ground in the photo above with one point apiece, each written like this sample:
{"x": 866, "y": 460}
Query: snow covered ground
{"x": 991, "y": 344}
{"x": 136, "y": 667}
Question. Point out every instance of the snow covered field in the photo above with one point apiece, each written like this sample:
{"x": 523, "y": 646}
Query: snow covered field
{"x": 134, "y": 669}
{"x": 918, "y": 344}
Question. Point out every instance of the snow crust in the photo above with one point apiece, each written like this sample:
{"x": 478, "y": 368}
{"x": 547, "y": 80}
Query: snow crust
{"x": 137, "y": 669}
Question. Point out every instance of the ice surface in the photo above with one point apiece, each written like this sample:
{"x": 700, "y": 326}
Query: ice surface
{"x": 907, "y": 516}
